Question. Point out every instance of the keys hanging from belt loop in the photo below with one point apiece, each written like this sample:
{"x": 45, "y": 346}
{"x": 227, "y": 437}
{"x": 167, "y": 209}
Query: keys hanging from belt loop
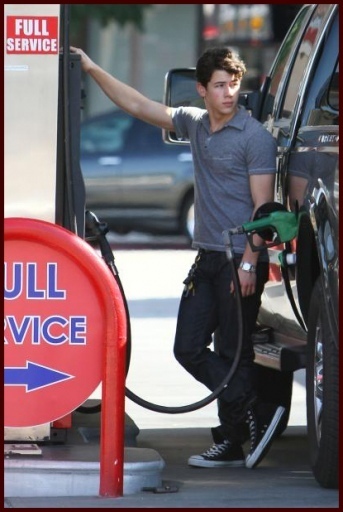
{"x": 189, "y": 281}
{"x": 189, "y": 287}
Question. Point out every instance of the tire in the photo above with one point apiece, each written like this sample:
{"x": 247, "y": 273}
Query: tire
{"x": 322, "y": 393}
{"x": 187, "y": 217}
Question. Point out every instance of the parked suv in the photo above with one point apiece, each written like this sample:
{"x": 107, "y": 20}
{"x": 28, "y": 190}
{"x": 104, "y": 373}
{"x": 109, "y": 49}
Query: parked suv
{"x": 298, "y": 321}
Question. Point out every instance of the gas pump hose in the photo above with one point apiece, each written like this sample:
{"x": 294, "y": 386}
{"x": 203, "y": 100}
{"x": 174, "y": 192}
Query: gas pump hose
{"x": 98, "y": 231}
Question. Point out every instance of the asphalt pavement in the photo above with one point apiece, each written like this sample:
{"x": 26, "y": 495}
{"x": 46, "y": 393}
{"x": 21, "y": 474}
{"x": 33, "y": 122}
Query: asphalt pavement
{"x": 152, "y": 276}
{"x": 282, "y": 480}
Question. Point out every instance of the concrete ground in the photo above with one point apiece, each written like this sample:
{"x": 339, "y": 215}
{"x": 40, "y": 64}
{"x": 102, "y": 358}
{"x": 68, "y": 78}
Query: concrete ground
{"x": 282, "y": 480}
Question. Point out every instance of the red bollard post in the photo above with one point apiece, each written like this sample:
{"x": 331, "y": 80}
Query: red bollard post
{"x": 113, "y": 402}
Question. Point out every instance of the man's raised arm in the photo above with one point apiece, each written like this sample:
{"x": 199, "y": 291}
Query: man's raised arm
{"x": 125, "y": 97}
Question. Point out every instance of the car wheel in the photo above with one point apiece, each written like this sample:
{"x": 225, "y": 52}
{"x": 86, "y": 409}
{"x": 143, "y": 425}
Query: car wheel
{"x": 187, "y": 217}
{"x": 322, "y": 393}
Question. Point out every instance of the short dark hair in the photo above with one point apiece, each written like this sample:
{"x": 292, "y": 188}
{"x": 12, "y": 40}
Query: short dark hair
{"x": 218, "y": 59}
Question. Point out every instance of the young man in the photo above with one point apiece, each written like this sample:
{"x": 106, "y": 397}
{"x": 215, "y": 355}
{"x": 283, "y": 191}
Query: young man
{"x": 234, "y": 170}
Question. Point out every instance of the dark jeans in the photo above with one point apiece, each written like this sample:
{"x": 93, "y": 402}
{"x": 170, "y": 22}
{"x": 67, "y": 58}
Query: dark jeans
{"x": 207, "y": 308}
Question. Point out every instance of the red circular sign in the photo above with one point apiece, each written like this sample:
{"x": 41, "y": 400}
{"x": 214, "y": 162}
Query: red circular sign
{"x": 55, "y": 323}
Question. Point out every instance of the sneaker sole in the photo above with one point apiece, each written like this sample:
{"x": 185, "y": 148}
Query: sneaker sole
{"x": 201, "y": 463}
{"x": 265, "y": 443}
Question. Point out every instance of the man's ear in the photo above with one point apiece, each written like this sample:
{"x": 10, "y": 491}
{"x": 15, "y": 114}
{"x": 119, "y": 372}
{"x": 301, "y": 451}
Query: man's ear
{"x": 201, "y": 89}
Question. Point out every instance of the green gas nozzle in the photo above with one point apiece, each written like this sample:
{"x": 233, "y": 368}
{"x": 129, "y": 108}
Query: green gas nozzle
{"x": 275, "y": 227}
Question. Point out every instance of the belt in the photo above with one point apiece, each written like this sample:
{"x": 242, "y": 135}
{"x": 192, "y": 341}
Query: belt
{"x": 208, "y": 251}
{"x": 237, "y": 257}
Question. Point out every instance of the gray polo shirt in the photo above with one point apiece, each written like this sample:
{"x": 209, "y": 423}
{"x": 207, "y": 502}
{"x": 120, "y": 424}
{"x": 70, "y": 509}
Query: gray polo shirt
{"x": 223, "y": 161}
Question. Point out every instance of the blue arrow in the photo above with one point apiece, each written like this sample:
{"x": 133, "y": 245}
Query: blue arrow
{"x": 33, "y": 376}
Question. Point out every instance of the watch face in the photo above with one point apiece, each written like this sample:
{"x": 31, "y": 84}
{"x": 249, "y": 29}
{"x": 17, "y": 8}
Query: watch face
{"x": 248, "y": 267}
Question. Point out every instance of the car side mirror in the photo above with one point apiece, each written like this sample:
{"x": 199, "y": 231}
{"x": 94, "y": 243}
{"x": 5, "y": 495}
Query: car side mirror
{"x": 180, "y": 90}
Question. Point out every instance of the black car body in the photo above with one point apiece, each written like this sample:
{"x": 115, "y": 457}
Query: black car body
{"x": 133, "y": 180}
{"x": 298, "y": 320}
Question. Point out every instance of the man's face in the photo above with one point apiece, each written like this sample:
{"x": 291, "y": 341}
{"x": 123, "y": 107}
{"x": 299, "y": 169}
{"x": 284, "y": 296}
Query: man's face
{"x": 222, "y": 93}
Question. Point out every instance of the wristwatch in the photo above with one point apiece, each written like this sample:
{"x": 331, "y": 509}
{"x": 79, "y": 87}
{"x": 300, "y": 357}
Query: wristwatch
{"x": 247, "y": 267}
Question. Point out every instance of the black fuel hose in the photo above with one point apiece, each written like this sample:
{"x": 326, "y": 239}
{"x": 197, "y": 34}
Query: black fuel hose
{"x": 286, "y": 280}
{"x": 67, "y": 121}
{"x": 98, "y": 231}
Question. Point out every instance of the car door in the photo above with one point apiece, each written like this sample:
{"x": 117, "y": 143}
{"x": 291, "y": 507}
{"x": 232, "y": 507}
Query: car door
{"x": 312, "y": 170}
{"x": 278, "y": 116}
{"x": 285, "y": 99}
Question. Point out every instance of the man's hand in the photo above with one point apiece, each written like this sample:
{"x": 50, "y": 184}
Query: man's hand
{"x": 247, "y": 281}
{"x": 86, "y": 62}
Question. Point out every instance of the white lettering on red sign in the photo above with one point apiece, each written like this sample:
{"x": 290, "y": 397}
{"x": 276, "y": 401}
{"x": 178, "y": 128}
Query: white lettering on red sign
{"x": 32, "y": 282}
{"x": 54, "y": 330}
{"x": 32, "y": 35}
{"x": 24, "y": 279}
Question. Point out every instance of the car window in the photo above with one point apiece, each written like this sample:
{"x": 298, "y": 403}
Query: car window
{"x": 304, "y": 54}
{"x": 283, "y": 61}
{"x": 105, "y": 134}
{"x": 321, "y": 97}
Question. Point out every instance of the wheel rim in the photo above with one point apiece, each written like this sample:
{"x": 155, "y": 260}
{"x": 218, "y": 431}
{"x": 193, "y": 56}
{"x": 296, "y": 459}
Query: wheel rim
{"x": 318, "y": 381}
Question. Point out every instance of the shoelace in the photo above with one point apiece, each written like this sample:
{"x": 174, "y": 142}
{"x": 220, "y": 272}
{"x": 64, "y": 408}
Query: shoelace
{"x": 216, "y": 449}
{"x": 252, "y": 428}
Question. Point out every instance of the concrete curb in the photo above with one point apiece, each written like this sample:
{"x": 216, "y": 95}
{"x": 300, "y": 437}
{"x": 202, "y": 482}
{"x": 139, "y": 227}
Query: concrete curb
{"x": 44, "y": 478}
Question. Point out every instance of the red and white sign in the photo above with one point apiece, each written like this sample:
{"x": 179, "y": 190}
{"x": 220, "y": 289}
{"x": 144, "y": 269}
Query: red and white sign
{"x": 32, "y": 35}
{"x": 55, "y": 322}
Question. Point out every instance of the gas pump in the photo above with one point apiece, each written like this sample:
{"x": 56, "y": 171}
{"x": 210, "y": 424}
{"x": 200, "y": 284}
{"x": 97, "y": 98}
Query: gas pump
{"x": 43, "y": 179}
